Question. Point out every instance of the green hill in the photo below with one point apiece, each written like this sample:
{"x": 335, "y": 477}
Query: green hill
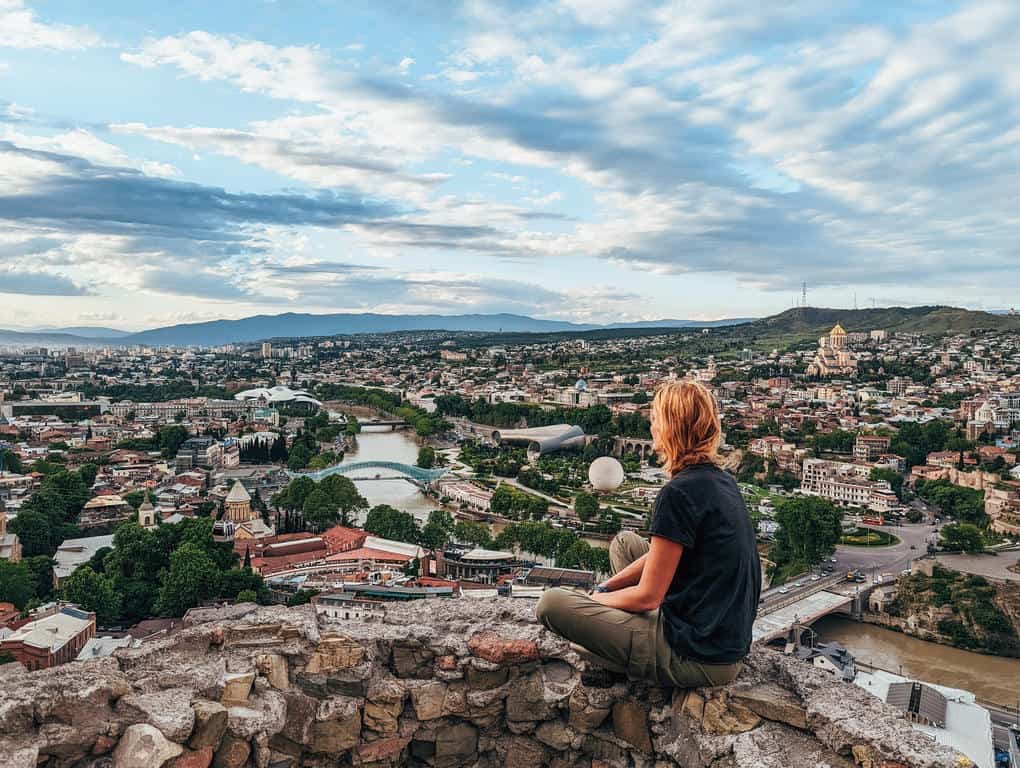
{"x": 932, "y": 320}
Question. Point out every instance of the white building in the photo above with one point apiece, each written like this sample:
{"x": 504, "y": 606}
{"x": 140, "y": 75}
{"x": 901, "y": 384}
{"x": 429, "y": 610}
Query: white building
{"x": 846, "y": 484}
{"x": 950, "y": 716}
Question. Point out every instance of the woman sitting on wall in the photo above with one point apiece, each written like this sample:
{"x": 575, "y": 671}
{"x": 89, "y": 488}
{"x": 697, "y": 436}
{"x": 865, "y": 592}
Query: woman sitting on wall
{"x": 677, "y": 611}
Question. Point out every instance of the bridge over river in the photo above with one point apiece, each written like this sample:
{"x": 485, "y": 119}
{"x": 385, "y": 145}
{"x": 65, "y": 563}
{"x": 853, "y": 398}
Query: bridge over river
{"x": 779, "y": 612}
{"x": 370, "y": 470}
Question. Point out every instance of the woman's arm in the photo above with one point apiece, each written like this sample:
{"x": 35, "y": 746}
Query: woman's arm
{"x": 628, "y": 577}
{"x": 656, "y": 575}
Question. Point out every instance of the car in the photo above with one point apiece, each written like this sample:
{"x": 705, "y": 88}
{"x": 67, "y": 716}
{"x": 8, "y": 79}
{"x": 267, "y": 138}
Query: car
{"x": 815, "y": 578}
{"x": 905, "y": 572}
{"x": 833, "y": 560}
{"x": 783, "y": 590}
{"x": 913, "y": 546}
{"x": 798, "y": 584}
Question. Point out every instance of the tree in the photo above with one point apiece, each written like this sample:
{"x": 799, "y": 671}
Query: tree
{"x": 438, "y": 529}
{"x": 10, "y": 461}
{"x": 426, "y": 457}
{"x": 345, "y": 495}
{"x": 388, "y": 523}
{"x": 93, "y": 592}
{"x": 964, "y": 537}
{"x": 88, "y": 473}
{"x": 299, "y": 457}
{"x": 192, "y": 577}
{"x": 538, "y": 507}
{"x": 586, "y": 506}
{"x": 891, "y": 476}
{"x": 320, "y": 510}
{"x": 17, "y": 585}
{"x": 246, "y": 596}
{"x": 35, "y": 532}
{"x": 41, "y": 567}
{"x": 302, "y": 597}
{"x": 472, "y": 532}
{"x": 809, "y": 528}
{"x": 169, "y": 439}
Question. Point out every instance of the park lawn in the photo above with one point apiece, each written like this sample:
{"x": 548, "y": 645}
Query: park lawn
{"x": 866, "y": 537}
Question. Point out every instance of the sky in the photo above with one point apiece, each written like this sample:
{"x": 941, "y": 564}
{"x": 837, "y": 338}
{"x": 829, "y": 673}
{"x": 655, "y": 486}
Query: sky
{"x": 586, "y": 160}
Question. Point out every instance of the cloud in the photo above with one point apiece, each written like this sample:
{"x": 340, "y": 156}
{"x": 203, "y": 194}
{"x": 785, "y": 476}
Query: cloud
{"x": 19, "y": 28}
{"x": 202, "y": 284}
{"x": 72, "y": 194}
{"x": 838, "y": 144}
{"x": 38, "y": 284}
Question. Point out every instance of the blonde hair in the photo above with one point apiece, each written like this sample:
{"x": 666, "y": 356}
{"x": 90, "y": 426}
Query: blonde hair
{"x": 689, "y": 427}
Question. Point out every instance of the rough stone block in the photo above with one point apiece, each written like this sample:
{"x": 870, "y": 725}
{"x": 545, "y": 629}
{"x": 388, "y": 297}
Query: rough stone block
{"x": 274, "y": 667}
{"x": 301, "y": 712}
{"x": 588, "y": 707}
{"x": 527, "y": 700}
{"x": 337, "y": 726}
{"x": 334, "y": 653}
{"x": 455, "y": 745}
{"x": 556, "y": 734}
{"x": 522, "y": 752}
{"x": 236, "y": 688}
{"x": 233, "y": 752}
{"x": 201, "y": 758}
{"x": 412, "y": 660}
{"x": 383, "y": 750}
{"x": 210, "y": 724}
{"x": 630, "y": 724}
{"x": 772, "y": 702}
{"x": 170, "y": 711}
{"x": 428, "y": 700}
{"x": 144, "y": 746}
{"x": 500, "y": 650}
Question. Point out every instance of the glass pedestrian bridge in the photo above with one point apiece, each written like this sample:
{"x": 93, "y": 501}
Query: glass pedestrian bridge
{"x": 416, "y": 474}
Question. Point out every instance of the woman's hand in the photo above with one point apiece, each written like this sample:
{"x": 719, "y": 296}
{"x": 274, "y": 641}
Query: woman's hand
{"x": 656, "y": 576}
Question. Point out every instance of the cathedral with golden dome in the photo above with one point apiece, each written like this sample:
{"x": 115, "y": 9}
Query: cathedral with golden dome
{"x": 833, "y": 357}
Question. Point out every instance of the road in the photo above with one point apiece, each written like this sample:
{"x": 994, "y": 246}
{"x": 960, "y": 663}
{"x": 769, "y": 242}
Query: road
{"x": 992, "y": 566}
{"x": 892, "y": 559}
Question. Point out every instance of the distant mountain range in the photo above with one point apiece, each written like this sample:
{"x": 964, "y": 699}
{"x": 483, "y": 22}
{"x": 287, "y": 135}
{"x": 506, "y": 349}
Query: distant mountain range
{"x": 295, "y": 325}
{"x": 797, "y": 321}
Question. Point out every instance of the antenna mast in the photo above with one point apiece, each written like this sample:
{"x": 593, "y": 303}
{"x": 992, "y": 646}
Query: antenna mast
{"x": 803, "y": 294}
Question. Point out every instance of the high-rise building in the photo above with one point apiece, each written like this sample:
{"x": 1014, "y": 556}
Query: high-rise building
{"x": 267, "y": 349}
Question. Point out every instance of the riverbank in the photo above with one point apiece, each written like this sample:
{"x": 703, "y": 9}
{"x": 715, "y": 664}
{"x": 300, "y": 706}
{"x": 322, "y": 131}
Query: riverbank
{"x": 991, "y": 678}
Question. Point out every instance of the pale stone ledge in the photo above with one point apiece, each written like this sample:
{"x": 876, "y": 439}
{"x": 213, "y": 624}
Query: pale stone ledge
{"x": 438, "y": 683}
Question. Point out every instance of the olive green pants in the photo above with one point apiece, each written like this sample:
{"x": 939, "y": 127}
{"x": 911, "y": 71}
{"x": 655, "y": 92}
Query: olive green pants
{"x": 633, "y": 643}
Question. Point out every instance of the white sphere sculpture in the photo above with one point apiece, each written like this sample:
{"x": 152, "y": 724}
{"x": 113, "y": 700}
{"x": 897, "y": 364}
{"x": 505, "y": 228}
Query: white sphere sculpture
{"x": 605, "y": 474}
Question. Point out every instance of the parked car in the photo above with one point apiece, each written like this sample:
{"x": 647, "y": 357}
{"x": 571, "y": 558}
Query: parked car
{"x": 783, "y": 590}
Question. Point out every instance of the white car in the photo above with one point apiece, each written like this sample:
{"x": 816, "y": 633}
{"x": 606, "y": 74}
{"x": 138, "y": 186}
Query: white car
{"x": 783, "y": 590}
{"x": 814, "y": 578}
{"x": 798, "y": 585}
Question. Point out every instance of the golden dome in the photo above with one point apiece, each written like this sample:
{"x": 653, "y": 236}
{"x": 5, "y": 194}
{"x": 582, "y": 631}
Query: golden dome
{"x": 837, "y": 330}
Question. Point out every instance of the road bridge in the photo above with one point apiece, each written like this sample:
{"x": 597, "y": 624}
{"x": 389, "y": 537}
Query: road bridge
{"x": 370, "y": 470}
{"x": 804, "y": 606}
{"x": 391, "y": 423}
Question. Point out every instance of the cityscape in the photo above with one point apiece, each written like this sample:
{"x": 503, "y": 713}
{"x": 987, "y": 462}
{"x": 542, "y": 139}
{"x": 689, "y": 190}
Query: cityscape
{"x": 141, "y": 484}
{"x": 359, "y": 367}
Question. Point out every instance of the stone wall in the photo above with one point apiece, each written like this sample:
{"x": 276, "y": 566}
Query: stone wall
{"x": 433, "y": 683}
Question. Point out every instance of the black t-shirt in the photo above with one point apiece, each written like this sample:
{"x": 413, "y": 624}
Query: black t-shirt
{"x": 712, "y": 601}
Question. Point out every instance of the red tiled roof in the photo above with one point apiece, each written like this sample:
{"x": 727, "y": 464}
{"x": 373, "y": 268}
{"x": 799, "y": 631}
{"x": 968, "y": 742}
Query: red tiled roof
{"x": 368, "y": 553}
{"x": 340, "y": 538}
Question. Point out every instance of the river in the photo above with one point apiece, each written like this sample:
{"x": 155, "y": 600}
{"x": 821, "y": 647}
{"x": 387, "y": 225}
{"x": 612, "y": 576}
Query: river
{"x": 384, "y": 444}
{"x": 992, "y": 678}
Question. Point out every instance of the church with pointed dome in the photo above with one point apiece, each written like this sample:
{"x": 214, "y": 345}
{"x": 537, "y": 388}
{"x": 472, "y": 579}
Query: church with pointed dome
{"x": 834, "y": 357}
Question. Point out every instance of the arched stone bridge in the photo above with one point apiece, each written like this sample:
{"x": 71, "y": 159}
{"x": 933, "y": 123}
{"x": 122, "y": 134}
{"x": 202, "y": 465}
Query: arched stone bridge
{"x": 415, "y": 474}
